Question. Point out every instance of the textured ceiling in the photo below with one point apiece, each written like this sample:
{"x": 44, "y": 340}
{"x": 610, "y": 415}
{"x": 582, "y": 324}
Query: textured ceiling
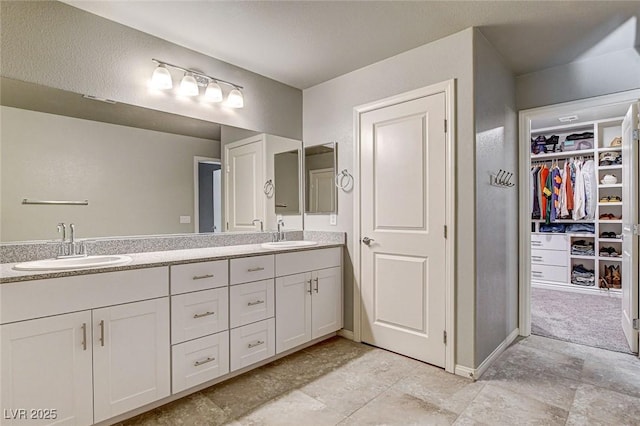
{"x": 303, "y": 43}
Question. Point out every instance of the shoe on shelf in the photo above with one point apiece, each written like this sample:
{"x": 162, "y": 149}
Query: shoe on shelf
{"x": 614, "y": 199}
{"x": 604, "y": 252}
{"x": 616, "y": 277}
{"x": 605, "y": 200}
{"x": 616, "y": 142}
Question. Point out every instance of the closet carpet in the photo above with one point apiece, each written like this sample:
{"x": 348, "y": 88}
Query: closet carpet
{"x": 585, "y": 319}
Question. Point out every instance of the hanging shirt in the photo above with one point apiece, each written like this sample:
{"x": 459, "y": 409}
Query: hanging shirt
{"x": 556, "y": 182}
{"x": 548, "y": 192}
{"x": 589, "y": 177}
{"x": 569, "y": 183}
{"x": 564, "y": 211}
{"x": 579, "y": 198}
{"x": 544, "y": 192}
{"x": 535, "y": 199}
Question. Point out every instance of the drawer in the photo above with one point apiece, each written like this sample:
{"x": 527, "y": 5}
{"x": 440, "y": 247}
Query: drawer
{"x": 249, "y": 269}
{"x": 199, "y": 361}
{"x": 252, "y": 343}
{"x": 307, "y": 260}
{"x": 199, "y": 276}
{"x": 199, "y": 313}
{"x": 549, "y": 257}
{"x": 549, "y": 273}
{"x": 251, "y": 302}
{"x": 549, "y": 242}
{"x": 41, "y": 298}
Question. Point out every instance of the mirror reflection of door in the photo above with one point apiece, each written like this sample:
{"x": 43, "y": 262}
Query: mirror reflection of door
{"x": 287, "y": 186}
{"x": 322, "y": 190}
{"x": 209, "y": 196}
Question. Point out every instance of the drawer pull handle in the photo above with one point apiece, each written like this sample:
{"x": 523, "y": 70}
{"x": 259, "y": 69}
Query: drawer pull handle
{"x": 309, "y": 291}
{"x": 259, "y": 268}
{"x": 84, "y": 336}
{"x": 316, "y": 287}
{"x": 204, "y": 361}
{"x": 101, "y": 333}
{"x": 258, "y": 343}
{"x": 202, "y": 277}
{"x": 206, "y": 314}
{"x": 257, "y": 302}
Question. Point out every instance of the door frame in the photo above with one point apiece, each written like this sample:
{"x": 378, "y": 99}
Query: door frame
{"x": 447, "y": 87}
{"x": 524, "y": 221}
{"x": 196, "y": 189}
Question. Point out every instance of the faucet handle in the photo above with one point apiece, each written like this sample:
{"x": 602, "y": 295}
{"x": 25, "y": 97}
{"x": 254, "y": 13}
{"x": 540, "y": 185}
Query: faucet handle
{"x": 62, "y": 228}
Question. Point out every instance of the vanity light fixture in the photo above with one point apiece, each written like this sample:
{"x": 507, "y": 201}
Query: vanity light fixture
{"x": 193, "y": 80}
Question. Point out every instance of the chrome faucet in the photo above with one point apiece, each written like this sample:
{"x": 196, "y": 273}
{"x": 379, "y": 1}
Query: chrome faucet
{"x": 70, "y": 248}
{"x": 280, "y": 236}
{"x": 261, "y": 224}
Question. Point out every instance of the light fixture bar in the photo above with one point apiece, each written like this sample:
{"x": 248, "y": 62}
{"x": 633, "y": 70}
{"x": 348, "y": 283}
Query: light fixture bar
{"x": 197, "y": 74}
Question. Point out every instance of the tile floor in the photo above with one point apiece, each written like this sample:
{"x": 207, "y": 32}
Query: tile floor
{"x": 536, "y": 381}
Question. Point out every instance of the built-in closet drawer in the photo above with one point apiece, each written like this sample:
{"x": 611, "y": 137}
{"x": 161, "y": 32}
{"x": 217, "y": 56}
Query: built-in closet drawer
{"x": 251, "y": 302}
{"x": 549, "y": 242}
{"x": 199, "y": 361}
{"x": 252, "y": 343}
{"x": 199, "y": 313}
{"x": 199, "y": 276}
{"x": 304, "y": 261}
{"x": 549, "y": 273}
{"x": 549, "y": 257}
{"x": 254, "y": 268}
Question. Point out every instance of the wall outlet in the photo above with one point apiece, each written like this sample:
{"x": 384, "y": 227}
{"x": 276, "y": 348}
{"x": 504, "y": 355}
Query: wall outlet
{"x": 333, "y": 219}
{"x": 185, "y": 219}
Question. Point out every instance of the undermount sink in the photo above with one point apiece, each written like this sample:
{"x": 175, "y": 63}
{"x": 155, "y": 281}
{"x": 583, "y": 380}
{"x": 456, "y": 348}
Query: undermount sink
{"x": 72, "y": 263}
{"x": 288, "y": 244}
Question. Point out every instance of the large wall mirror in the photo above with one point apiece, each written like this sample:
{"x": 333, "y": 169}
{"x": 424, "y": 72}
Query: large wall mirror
{"x": 131, "y": 170}
{"x": 287, "y": 182}
{"x": 320, "y": 173}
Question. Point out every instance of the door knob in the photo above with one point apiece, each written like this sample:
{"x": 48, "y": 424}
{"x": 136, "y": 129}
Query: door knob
{"x": 367, "y": 240}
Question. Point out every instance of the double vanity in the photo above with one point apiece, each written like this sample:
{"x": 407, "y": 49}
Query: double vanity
{"x": 94, "y": 345}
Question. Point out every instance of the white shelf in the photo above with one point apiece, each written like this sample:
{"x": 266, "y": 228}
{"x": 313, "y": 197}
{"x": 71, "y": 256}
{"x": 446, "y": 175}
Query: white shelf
{"x": 610, "y": 240}
{"x": 613, "y": 185}
{"x": 609, "y": 149}
{"x": 609, "y": 259}
{"x": 610, "y": 204}
{"x": 610, "y": 221}
{"x": 565, "y": 154}
{"x": 616, "y": 167}
{"x": 577, "y": 256}
{"x": 572, "y": 235}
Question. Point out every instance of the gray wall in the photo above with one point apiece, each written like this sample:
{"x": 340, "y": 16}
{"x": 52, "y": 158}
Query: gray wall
{"x": 328, "y": 116}
{"x": 138, "y": 182}
{"x": 496, "y": 313}
{"x": 57, "y": 45}
{"x": 602, "y": 75}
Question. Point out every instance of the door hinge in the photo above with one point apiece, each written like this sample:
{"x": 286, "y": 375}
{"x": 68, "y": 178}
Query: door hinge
{"x": 636, "y": 135}
{"x": 227, "y": 226}
{"x": 444, "y": 337}
{"x": 445, "y": 126}
{"x": 445, "y": 231}
{"x": 636, "y": 324}
{"x": 636, "y": 229}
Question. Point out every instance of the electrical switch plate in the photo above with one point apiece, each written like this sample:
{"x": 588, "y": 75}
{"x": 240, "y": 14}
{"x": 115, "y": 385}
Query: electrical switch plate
{"x": 185, "y": 219}
{"x": 333, "y": 219}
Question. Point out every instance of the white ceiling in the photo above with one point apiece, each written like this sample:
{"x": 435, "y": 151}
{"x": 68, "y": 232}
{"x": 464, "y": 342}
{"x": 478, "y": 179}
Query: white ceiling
{"x": 303, "y": 43}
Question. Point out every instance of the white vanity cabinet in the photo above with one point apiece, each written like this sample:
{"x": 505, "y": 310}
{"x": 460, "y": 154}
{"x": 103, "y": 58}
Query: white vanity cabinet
{"x": 199, "y": 323}
{"x": 308, "y": 296}
{"x": 109, "y": 357}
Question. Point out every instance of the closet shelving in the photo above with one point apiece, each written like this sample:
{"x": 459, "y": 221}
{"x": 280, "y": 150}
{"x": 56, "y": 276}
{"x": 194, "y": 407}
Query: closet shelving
{"x": 558, "y": 259}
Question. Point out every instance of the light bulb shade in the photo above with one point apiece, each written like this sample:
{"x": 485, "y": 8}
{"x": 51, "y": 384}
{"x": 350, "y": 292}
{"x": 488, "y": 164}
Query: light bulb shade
{"x": 189, "y": 86}
{"x": 161, "y": 78}
{"x": 235, "y": 99}
{"x": 213, "y": 92}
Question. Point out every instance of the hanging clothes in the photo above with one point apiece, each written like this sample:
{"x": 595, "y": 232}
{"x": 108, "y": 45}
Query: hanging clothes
{"x": 556, "y": 182}
{"x": 590, "y": 183}
{"x": 535, "y": 199}
{"x": 579, "y": 199}
{"x": 545, "y": 192}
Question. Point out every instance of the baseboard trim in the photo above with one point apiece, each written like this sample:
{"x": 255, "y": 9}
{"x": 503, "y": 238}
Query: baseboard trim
{"x": 476, "y": 373}
{"x": 347, "y": 334}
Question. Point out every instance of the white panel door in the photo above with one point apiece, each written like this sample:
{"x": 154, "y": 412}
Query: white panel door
{"x": 293, "y": 311}
{"x": 322, "y": 186}
{"x": 629, "y": 218}
{"x": 130, "y": 356}
{"x": 46, "y": 364}
{"x": 403, "y": 214}
{"x": 245, "y": 196}
{"x": 326, "y": 306}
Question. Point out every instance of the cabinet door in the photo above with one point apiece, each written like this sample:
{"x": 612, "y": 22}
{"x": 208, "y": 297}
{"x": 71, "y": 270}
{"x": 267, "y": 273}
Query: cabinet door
{"x": 130, "y": 356}
{"x": 46, "y": 364}
{"x": 293, "y": 311}
{"x": 244, "y": 182}
{"x": 327, "y": 301}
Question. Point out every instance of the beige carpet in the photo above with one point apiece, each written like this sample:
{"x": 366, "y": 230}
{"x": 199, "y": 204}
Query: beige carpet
{"x": 585, "y": 319}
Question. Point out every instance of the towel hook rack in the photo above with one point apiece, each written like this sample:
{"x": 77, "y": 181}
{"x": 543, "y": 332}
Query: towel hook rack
{"x": 344, "y": 180}
{"x": 502, "y": 179}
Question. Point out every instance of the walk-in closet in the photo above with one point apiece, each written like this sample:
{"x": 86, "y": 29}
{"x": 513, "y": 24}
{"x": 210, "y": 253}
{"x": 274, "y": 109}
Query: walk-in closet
{"x": 579, "y": 190}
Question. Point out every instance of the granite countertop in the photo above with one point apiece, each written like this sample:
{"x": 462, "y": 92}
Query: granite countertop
{"x": 157, "y": 258}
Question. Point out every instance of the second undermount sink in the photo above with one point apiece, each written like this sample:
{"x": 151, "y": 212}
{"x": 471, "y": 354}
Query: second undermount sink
{"x": 73, "y": 263}
{"x": 288, "y": 244}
